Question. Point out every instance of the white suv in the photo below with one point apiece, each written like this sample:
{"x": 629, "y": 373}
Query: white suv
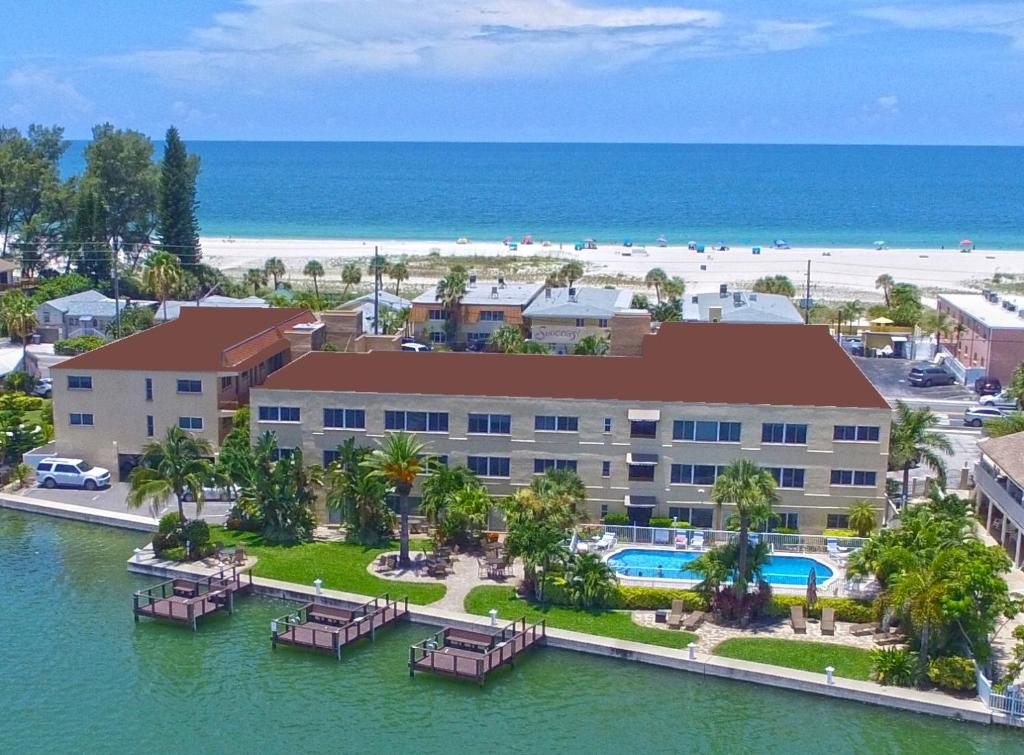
{"x": 71, "y": 473}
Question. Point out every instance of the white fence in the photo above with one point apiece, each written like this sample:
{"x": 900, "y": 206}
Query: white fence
{"x": 1009, "y": 703}
{"x": 629, "y": 534}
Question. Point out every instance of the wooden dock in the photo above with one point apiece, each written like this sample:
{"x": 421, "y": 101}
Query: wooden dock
{"x": 318, "y": 626}
{"x": 472, "y": 654}
{"x": 187, "y": 600}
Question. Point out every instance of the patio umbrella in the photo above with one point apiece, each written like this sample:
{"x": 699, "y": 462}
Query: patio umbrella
{"x": 812, "y": 589}
{"x": 881, "y": 321}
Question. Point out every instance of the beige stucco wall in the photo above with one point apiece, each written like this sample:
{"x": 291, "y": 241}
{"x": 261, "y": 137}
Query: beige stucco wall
{"x": 561, "y": 334}
{"x": 591, "y": 445}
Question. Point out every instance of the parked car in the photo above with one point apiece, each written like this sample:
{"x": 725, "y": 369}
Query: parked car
{"x": 71, "y": 473}
{"x": 926, "y": 376}
{"x": 413, "y": 346}
{"x": 210, "y": 493}
{"x": 1000, "y": 401}
{"x": 987, "y": 385}
{"x": 976, "y": 416}
{"x": 44, "y": 388}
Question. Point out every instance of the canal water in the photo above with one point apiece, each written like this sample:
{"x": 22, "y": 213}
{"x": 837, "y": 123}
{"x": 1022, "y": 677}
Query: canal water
{"x": 78, "y": 675}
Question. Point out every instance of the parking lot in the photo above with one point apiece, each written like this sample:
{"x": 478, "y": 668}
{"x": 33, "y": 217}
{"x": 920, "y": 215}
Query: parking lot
{"x": 889, "y": 376}
{"x": 114, "y": 499}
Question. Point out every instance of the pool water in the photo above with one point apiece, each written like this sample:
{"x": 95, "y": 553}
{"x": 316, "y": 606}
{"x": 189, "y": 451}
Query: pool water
{"x": 667, "y": 564}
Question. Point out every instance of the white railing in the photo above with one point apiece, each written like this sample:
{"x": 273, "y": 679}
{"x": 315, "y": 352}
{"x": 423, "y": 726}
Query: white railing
{"x": 629, "y": 534}
{"x": 1009, "y": 703}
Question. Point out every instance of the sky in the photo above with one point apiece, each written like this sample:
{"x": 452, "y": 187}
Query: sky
{"x": 755, "y": 71}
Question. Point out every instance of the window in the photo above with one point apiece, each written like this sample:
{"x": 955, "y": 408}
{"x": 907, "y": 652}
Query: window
{"x": 607, "y": 424}
{"x": 606, "y": 469}
{"x": 602, "y": 323}
{"x": 345, "y": 418}
{"x": 437, "y": 314}
{"x": 489, "y": 466}
{"x": 424, "y": 422}
{"x": 330, "y": 456}
{"x": 542, "y": 465}
{"x": 492, "y": 424}
{"x": 432, "y": 463}
{"x": 225, "y": 383}
{"x": 492, "y": 315}
{"x": 552, "y": 423}
{"x": 837, "y": 521}
{"x": 643, "y": 428}
{"x": 694, "y": 474}
{"x": 281, "y": 453}
{"x": 785, "y": 521}
{"x": 149, "y": 389}
{"x": 694, "y": 516}
{"x": 438, "y": 336}
{"x": 190, "y": 386}
{"x": 706, "y": 431}
{"x": 190, "y": 423}
{"x": 640, "y": 472}
{"x": 79, "y": 383}
{"x": 855, "y": 432}
{"x": 279, "y": 414}
{"x": 77, "y": 418}
{"x": 604, "y": 509}
{"x": 854, "y": 477}
{"x": 149, "y": 425}
{"x": 580, "y": 322}
{"x": 778, "y": 432}
{"x": 786, "y": 477}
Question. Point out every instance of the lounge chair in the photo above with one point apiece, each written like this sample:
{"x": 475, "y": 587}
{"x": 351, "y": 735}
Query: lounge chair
{"x": 682, "y": 541}
{"x": 697, "y": 543}
{"x": 863, "y": 630}
{"x": 832, "y": 546}
{"x": 693, "y": 620}
{"x": 828, "y": 620}
{"x": 606, "y": 542}
{"x": 675, "y": 616}
{"x": 661, "y": 537}
{"x": 884, "y": 638}
{"x": 797, "y": 619}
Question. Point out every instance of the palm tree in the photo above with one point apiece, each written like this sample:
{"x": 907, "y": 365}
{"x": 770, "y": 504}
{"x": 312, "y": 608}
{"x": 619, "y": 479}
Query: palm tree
{"x": 351, "y": 274}
{"x": 398, "y": 272}
{"x": 752, "y": 490}
{"x": 1008, "y": 425}
{"x": 314, "y": 270}
{"x": 19, "y": 317}
{"x": 255, "y": 277}
{"x": 913, "y": 441}
{"x": 885, "y": 282}
{"x": 397, "y": 460}
{"x": 591, "y": 346}
{"x": 851, "y": 311}
{"x": 535, "y": 347}
{"x": 862, "y": 518}
{"x": 450, "y": 290}
{"x": 162, "y": 275}
{"x": 507, "y": 339}
{"x": 440, "y": 488}
{"x": 589, "y": 580}
{"x": 181, "y": 463}
{"x": 275, "y": 268}
{"x": 673, "y": 288}
{"x": 939, "y": 323}
{"x": 919, "y": 594}
{"x": 571, "y": 272}
{"x": 656, "y": 278}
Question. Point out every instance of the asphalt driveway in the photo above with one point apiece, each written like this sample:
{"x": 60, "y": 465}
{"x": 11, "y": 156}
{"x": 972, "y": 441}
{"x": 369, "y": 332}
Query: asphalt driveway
{"x": 889, "y": 376}
{"x": 114, "y": 499}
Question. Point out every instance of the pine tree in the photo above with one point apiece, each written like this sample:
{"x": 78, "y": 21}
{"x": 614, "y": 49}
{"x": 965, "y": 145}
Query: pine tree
{"x": 177, "y": 226}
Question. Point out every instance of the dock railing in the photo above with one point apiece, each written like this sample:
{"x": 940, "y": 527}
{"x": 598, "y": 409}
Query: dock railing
{"x": 217, "y": 588}
{"x": 1009, "y": 703}
{"x": 505, "y": 644}
{"x": 666, "y": 536}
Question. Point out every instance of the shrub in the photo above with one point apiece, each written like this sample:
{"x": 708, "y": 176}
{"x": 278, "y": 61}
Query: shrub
{"x": 197, "y": 532}
{"x": 895, "y": 666}
{"x": 170, "y": 523}
{"x": 660, "y": 521}
{"x": 78, "y": 345}
{"x": 22, "y": 473}
{"x": 174, "y": 554}
{"x": 616, "y": 518}
{"x": 953, "y": 673}
{"x": 786, "y": 531}
{"x": 839, "y": 533}
{"x": 632, "y": 598}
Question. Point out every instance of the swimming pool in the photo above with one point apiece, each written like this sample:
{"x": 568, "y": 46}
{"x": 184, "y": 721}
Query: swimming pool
{"x": 666, "y": 564}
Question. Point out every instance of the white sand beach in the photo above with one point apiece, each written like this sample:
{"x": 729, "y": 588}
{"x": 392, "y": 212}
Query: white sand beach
{"x": 841, "y": 273}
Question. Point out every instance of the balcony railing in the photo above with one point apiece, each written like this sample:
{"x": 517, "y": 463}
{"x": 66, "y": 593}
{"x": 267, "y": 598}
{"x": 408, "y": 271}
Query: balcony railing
{"x": 997, "y": 489}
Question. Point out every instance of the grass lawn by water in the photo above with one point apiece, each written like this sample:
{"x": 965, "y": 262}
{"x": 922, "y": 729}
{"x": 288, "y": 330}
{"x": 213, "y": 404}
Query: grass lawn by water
{"x": 851, "y": 663}
{"x": 616, "y": 624}
{"x": 342, "y": 566}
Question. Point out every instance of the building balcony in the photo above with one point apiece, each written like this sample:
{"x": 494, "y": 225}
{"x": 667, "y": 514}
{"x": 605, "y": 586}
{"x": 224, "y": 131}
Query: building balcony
{"x": 1001, "y": 491}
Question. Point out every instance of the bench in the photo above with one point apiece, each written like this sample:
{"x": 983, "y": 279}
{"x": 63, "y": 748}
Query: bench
{"x": 184, "y": 588}
{"x": 468, "y": 640}
{"x": 328, "y": 614}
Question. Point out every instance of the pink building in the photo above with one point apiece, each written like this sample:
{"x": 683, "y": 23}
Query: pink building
{"x": 989, "y": 336}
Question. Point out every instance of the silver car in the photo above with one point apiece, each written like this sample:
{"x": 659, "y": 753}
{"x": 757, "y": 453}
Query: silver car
{"x": 1000, "y": 400}
{"x": 976, "y": 416}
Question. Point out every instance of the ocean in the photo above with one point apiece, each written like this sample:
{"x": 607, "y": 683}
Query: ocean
{"x": 925, "y": 197}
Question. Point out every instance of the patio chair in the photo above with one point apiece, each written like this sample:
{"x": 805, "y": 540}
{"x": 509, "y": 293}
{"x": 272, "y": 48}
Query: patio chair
{"x": 682, "y": 541}
{"x": 693, "y": 620}
{"x": 828, "y": 620}
{"x": 661, "y": 537}
{"x": 675, "y": 616}
{"x": 797, "y": 619}
{"x": 606, "y": 542}
{"x": 697, "y": 543}
{"x": 239, "y": 555}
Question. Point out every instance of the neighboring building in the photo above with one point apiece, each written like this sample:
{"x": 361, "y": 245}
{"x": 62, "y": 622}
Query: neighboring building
{"x": 560, "y": 317}
{"x": 192, "y": 372}
{"x": 648, "y": 434}
{"x": 999, "y": 492}
{"x": 87, "y": 313}
{"x": 990, "y": 334}
{"x": 385, "y": 301}
{"x": 7, "y": 270}
{"x": 486, "y": 306}
{"x": 740, "y": 306}
{"x": 175, "y": 307}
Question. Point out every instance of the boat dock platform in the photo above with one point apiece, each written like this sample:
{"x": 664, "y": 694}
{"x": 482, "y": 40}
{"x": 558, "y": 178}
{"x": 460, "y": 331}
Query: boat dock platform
{"x": 187, "y": 600}
{"x": 318, "y": 626}
{"x": 472, "y": 654}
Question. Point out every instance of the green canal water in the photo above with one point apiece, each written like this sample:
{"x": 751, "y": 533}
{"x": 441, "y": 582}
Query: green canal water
{"x": 78, "y": 675}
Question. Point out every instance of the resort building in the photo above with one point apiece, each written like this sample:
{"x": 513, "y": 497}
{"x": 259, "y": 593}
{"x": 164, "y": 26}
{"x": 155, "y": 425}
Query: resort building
{"x": 193, "y": 372}
{"x": 87, "y": 313}
{"x": 999, "y": 492}
{"x": 740, "y": 306}
{"x": 386, "y": 302}
{"x": 486, "y": 306}
{"x": 989, "y": 337}
{"x": 648, "y": 434}
{"x": 560, "y": 317}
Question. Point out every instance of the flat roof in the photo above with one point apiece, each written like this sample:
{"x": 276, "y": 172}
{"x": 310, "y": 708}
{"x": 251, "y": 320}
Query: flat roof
{"x": 741, "y": 306}
{"x": 1008, "y": 454}
{"x": 711, "y": 363}
{"x": 489, "y": 292}
{"x": 588, "y": 301}
{"x": 201, "y": 339}
{"x": 992, "y": 314}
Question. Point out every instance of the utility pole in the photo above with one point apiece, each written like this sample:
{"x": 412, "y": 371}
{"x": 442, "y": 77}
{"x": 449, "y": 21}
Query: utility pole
{"x": 376, "y": 290}
{"x": 117, "y": 293}
{"x": 807, "y": 296}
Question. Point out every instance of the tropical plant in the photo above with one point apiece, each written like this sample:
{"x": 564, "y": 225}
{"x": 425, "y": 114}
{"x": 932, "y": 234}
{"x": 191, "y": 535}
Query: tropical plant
{"x": 179, "y": 464}
{"x": 535, "y": 347}
{"x": 538, "y": 542}
{"x": 255, "y": 277}
{"x": 562, "y": 491}
{"x": 1006, "y": 425}
{"x": 397, "y": 460}
{"x": 18, "y": 316}
{"x": 939, "y": 323}
{"x": 885, "y": 282}
{"x": 918, "y": 594}
{"x": 314, "y": 270}
{"x": 666, "y": 311}
{"x": 591, "y": 345}
{"x": 862, "y": 518}
{"x": 913, "y": 440}
{"x": 751, "y": 490}
{"x": 589, "y": 581}
{"x": 953, "y": 672}
{"x": 1016, "y": 387}
{"x": 275, "y": 269}
{"x": 656, "y": 278}
{"x": 22, "y": 473}
{"x": 78, "y": 345}
{"x": 446, "y": 488}
{"x": 449, "y": 292}
{"x": 162, "y": 275}
{"x": 351, "y": 275}
{"x": 398, "y": 272}
{"x": 507, "y": 339}
{"x": 894, "y": 666}
{"x": 639, "y": 301}
{"x": 774, "y": 284}
{"x": 571, "y": 272}
{"x": 673, "y": 289}
{"x": 360, "y": 496}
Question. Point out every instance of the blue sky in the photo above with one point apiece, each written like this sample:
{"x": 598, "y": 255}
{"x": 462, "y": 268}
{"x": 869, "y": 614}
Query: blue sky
{"x": 802, "y": 71}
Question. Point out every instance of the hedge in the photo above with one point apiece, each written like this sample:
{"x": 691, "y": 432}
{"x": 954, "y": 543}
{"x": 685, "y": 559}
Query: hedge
{"x": 847, "y": 609}
{"x": 628, "y": 598}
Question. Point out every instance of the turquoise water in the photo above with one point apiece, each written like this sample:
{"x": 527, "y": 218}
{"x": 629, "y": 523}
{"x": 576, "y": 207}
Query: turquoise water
{"x": 741, "y": 194}
{"x": 79, "y": 676}
{"x": 647, "y": 562}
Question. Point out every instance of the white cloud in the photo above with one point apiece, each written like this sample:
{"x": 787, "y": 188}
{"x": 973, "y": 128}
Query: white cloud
{"x": 884, "y": 109}
{"x": 38, "y": 91}
{"x": 1001, "y": 19}
{"x": 268, "y": 40}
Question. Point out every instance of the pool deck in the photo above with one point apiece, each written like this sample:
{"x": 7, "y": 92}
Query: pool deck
{"x": 701, "y": 662}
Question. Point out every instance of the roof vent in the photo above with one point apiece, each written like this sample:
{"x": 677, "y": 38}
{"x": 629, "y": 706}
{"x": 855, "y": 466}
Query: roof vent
{"x": 501, "y": 282}
{"x": 472, "y": 280}
{"x": 723, "y": 290}
{"x": 694, "y": 299}
{"x": 494, "y": 292}
{"x": 572, "y": 293}
{"x": 752, "y": 297}
{"x": 1009, "y": 305}
{"x": 547, "y": 292}
{"x": 737, "y": 298}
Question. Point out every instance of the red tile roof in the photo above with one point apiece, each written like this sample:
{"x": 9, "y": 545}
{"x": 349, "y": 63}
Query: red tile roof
{"x": 713, "y": 363}
{"x": 202, "y": 339}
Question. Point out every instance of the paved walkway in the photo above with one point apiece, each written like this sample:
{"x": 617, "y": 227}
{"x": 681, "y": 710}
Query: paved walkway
{"x": 464, "y": 577}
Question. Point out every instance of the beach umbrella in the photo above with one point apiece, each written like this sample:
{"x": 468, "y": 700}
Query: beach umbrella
{"x": 881, "y": 321}
{"x": 879, "y": 244}
{"x": 812, "y": 589}
{"x": 966, "y": 242}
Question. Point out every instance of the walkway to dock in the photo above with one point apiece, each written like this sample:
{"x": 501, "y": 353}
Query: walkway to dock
{"x": 319, "y": 626}
{"x": 473, "y": 654}
{"x": 187, "y": 600}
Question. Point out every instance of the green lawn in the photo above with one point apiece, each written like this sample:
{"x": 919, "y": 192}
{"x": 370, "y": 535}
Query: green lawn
{"x": 852, "y": 663}
{"x": 342, "y": 566}
{"x": 35, "y": 417}
{"x": 616, "y": 624}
